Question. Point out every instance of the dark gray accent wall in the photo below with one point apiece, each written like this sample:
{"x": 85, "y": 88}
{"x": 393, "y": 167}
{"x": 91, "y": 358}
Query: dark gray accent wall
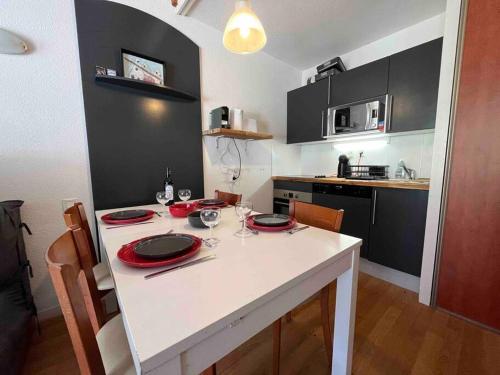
{"x": 133, "y": 136}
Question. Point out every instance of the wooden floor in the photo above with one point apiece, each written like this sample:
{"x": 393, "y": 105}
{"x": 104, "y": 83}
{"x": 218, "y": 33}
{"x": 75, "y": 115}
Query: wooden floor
{"x": 394, "y": 335}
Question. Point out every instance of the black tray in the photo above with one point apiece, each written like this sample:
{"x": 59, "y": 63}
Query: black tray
{"x": 163, "y": 246}
{"x": 271, "y": 220}
{"x": 128, "y": 214}
{"x": 211, "y": 202}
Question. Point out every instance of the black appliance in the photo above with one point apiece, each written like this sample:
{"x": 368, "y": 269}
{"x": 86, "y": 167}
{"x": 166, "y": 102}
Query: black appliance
{"x": 343, "y": 166}
{"x": 335, "y": 63}
{"x": 219, "y": 118}
{"x": 356, "y": 203}
{"x": 281, "y": 200}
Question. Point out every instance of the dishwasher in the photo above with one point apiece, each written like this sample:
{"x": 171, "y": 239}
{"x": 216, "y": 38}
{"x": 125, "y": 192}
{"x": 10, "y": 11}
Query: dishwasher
{"x": 356, "y": 203}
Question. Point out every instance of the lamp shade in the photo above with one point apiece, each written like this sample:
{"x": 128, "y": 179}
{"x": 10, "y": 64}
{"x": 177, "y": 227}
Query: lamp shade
{"x": 244, "y": 32}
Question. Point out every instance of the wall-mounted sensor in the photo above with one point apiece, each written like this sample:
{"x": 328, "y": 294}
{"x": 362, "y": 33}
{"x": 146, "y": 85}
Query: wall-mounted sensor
{"x": 11, "y": 44}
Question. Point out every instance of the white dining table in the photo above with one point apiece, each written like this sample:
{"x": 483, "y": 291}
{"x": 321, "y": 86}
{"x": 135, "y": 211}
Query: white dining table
{"x": 183, "y": 321}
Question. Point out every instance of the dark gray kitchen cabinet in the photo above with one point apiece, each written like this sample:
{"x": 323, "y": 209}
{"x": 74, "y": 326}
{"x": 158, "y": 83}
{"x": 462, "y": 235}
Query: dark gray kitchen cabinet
{"x": 306, "y": 112}
{"x": 413, "y": 84}
{"x": 356, "y": 203}
{"x": 364, "y": 82}
{"x": 397, "y": 228}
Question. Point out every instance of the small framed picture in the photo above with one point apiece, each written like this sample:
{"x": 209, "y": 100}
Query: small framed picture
{"x": 143, "y": 68}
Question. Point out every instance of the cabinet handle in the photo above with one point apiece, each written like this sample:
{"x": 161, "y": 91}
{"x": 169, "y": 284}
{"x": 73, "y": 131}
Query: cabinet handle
{"x": 374, "y": 207}
{"x": 322, "y": 124}
{"x": 329, "y": 88}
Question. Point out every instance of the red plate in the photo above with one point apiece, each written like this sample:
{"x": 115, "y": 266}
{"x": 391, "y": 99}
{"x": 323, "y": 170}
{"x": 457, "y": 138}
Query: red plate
{"x": 252, "y": 225}
{"x": 216, "y": 206}
{"x": 106, "y": 218}
{"x": 127, "y": 255}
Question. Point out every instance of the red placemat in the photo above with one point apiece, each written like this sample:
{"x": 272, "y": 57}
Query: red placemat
{"x": 252, "y": 225}
{"x": 107, "y": 219}
{"x": 127, "y": 255}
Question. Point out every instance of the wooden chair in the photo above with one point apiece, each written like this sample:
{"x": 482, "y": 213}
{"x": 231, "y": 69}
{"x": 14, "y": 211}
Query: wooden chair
{"x": 75, "y": 215}
{"x": 230, "y": 198}
{"x": 324, "y": 218}
{"x": 99, "y": 349}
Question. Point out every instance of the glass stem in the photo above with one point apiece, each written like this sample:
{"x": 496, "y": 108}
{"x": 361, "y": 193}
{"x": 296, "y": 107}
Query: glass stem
{"x": 211, "y": 230}
{"x": 244, "y": 224}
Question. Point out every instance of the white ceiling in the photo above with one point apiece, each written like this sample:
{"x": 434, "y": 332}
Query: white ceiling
{"x": 303, "y": 33}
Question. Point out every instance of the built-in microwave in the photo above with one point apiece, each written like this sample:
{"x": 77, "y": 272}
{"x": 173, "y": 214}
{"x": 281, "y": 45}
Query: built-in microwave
{"x": 371, "y": 115}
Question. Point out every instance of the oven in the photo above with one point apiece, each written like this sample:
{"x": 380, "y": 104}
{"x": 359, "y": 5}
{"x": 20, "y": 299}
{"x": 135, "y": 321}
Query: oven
{"x": 281, "y": 199}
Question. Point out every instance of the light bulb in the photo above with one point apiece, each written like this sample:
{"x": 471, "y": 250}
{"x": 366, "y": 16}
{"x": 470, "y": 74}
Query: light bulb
{"x": 244, "y": 32}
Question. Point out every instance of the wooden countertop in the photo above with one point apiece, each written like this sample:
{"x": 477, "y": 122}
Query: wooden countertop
{"x": 419, "y": 184}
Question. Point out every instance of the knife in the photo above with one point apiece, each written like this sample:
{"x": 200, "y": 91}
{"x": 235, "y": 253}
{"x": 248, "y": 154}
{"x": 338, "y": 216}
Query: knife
{"x": 199, "y": 260}
{"x": 298, "y": 229}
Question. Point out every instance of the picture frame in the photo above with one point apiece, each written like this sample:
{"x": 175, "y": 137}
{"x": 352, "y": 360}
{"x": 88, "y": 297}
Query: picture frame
{"x": 143, "y": 68}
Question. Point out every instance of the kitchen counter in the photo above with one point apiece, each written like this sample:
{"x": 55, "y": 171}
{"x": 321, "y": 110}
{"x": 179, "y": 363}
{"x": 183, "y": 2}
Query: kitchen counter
{"x": 418, "y": 184}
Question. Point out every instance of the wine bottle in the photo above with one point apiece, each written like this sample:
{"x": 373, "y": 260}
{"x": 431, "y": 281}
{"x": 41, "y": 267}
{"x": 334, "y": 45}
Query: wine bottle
{"x": 169, "y": 188}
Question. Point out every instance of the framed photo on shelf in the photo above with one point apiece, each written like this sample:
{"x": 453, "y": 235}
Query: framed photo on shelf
{"x": 143, "y": 68}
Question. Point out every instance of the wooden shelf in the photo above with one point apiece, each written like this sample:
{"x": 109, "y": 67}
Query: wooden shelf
{"x": 238, "y": 134}
{"x": 145, "y": 86}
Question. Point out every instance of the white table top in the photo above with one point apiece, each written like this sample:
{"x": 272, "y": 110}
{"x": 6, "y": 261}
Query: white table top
{"x": 167, "y": 314}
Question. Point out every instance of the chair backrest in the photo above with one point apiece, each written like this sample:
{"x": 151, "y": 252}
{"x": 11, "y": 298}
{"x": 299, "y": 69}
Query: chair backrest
{"x": 230, "y": 198}
{"x": 317, "y": 216}
{"x": 75, "y": 215}
{"x": 75, "y": 298}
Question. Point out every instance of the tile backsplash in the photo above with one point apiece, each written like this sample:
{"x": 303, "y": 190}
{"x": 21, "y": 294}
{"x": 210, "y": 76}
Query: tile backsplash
{"x": 414, "y": 149}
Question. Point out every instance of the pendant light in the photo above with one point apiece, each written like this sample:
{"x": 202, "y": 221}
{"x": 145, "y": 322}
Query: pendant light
{"x": 244, "y": 33}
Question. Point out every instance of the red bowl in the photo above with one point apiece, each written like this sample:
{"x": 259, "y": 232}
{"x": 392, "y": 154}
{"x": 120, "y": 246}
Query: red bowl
{"x": 181, "y": 209}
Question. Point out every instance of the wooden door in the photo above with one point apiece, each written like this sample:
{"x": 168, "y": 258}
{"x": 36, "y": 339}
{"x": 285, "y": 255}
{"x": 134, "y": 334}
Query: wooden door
{"x": 469, "y": 272}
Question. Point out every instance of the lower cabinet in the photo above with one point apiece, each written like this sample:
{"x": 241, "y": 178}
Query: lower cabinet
{"x": 397, "y": 228}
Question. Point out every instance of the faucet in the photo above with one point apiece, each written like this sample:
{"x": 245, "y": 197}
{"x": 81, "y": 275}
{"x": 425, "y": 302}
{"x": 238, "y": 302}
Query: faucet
{"x": 408, "y": 171}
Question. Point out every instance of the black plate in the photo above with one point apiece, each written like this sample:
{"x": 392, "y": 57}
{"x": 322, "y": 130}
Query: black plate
{"x": 211, "y": 202}
{"x": 271, "y": 220}
{"x": 127, "y": 214}
{"x": 163, "y": 246}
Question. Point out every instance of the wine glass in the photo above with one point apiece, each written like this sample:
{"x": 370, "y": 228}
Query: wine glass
{"x": 210, "y": 216}
{"x": 243, "y": 210}
{"x": 184, "y": 194}
{"x": 163, "y": 199}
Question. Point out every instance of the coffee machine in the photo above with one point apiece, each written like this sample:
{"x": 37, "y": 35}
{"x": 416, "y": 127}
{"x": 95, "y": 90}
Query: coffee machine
{"x": 343, "y": 167}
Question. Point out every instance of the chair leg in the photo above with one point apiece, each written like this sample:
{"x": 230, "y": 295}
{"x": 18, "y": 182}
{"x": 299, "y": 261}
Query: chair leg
{"x": 276, "y": 346}
{"x": 289, "y": 317}
{"x": 326, "y": 322}
{"x": 212, "y": 370}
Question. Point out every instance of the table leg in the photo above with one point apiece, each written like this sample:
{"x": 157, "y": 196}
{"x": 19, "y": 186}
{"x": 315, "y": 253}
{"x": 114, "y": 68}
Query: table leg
{"x": 345, "y": 315}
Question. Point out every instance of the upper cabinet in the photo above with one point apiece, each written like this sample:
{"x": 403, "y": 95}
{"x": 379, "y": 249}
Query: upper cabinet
{"x": 411, "y": 77}
{"x": 364, "y": 82}
{"x": 306, "y": 112}
{"x": 413, "y": 84}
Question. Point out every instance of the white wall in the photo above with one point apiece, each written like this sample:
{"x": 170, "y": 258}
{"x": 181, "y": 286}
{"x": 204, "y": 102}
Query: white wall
{"x": 43, "y": 146}
{"x": 416, "y": 150}
{"x": 446, "y": 81}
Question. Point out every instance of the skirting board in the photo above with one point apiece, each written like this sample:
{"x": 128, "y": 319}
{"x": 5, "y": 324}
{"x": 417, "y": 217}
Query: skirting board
{"x": 390, "y": 275}
{"x": 49, "y": 313}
